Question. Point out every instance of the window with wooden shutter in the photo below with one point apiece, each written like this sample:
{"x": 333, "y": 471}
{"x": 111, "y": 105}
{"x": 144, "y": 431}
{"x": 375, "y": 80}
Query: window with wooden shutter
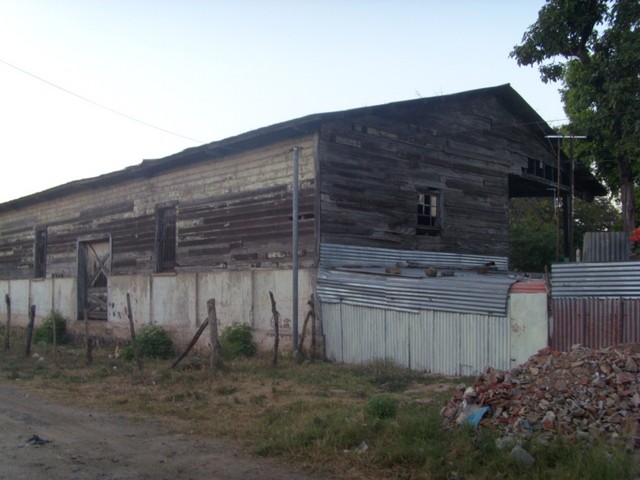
{"x": 40, "y": 253}
{"x": 166, "y": 238}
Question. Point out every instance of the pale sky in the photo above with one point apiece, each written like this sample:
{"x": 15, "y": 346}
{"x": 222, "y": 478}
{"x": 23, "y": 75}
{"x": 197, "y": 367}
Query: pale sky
{"x": 210, "y": 69}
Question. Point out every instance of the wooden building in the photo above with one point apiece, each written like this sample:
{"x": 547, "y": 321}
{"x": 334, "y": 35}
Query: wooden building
{"x": 430, "y": 174}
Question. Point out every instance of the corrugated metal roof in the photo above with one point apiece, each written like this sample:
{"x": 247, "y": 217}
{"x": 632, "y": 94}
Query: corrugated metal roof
{"x": 616, "y": 279}
{"x": 464, "y": 292}
{"x": 332, "y": 255}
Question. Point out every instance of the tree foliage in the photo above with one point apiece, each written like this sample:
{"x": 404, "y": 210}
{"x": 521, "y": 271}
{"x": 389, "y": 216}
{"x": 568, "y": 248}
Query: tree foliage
{"x": 534, "y": 232}
{"x": 592, "y": 47}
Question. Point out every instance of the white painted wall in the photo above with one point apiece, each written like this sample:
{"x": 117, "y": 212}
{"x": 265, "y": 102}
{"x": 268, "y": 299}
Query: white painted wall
{"x": 529, "y": 325}
{"x": 176, "y": 302}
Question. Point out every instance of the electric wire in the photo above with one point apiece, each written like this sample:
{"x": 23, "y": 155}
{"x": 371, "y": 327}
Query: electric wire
{"x": 104, "y": 107}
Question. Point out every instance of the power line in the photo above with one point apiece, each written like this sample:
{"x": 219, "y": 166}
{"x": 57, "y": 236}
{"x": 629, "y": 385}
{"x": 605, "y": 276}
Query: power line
{"x": 100, "y": 105}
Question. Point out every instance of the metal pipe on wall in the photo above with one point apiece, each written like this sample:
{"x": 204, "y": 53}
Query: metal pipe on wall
{"x": 294, "y": 249}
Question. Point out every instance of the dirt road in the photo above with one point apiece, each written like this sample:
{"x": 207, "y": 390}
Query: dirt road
{"x": 74, "y": 443}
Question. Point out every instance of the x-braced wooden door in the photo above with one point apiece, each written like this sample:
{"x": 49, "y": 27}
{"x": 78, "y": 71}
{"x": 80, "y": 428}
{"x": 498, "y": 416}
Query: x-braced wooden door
{"x": 94, "y": 267}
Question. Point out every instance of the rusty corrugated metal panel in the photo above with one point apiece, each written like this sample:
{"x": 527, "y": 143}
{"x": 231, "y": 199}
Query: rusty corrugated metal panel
{"x": 631, "y": 320}
{"x": 332, "y": 255}
{"x": 534, "y": 286}
{"x": 592, "y": 322}
{"x": 619, "y": 279}
{"x": 605, "y": 247}
{"x": 568, "y": 324}
{"x": 603, "y": 322}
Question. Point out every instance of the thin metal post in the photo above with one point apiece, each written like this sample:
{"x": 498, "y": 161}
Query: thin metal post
{"x": 557, "y": 206}
{"x": 572, "y": 253}
{"x": 568, "y": 208}
{"x": 294, "y": 248}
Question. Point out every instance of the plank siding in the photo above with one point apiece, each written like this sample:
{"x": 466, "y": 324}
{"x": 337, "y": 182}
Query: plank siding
{"x": 233, "y": 211}
{"x": 360, "y": 175}
{"x": 372, "y": 168}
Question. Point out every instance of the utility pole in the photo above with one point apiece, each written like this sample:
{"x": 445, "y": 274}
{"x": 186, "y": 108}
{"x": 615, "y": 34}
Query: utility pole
{"x": 568, "y": 208}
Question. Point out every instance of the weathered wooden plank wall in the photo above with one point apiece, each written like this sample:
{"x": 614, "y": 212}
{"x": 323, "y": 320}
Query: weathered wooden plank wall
{"x": 233, "y": 211}
{"x": 371, "y": 169}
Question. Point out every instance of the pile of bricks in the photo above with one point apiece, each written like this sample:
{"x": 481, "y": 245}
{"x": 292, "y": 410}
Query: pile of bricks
{"x": 582, "y": 393}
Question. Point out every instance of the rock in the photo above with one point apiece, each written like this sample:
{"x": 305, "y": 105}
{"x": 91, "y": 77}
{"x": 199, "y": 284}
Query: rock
{"x": 508, "y": 441}
{"x": 631, "y": 365}
{"x": 584, "y": 392}
{"x": 520, "y": 455}
{"x": 363, "y": 447}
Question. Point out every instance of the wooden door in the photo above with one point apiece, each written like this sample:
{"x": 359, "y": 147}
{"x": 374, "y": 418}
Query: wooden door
{"x": 94, "y": 267}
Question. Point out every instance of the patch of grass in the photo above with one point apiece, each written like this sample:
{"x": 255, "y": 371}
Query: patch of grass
{"x": 226, "y": 390}
{"x": 331, "y": 418}
{"x": 382, "y": 406}
{"x": 386, "y": 375}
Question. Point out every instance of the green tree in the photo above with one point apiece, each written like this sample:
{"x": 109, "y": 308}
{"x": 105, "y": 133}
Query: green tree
{"x": 592, "y": 47}
{"x": 534, "y": 233}
{"x": 599, "y": 216}
{"x": 532, "y": 236}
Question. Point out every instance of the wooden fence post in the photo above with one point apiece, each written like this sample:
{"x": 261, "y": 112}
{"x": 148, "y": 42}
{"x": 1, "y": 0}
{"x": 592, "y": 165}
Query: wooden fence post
{"x": 54, "y": 334}
{"x": 87, "y": 339}
{"x": 32, "y": 319}
{"x": 134, "y": 345}
{"x": 213, "y": 332}
{"x": 276, "y": 327}
{"x": 313, "y": 328}
{"x": 7, "y": 332}
{"x": 191, "y": 343}
{"x": 310, "y": 314}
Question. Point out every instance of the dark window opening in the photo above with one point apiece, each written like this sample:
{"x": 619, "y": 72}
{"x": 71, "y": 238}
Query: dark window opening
{"x": 166, "y": 239}
{"x": 40, "y": 253}
{"x": 303, "y": 216}
{"x": 428, "y": 219}
{"x": 539, "y": 169}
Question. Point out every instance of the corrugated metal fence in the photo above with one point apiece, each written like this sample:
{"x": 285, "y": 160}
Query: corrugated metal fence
{"x": 453, "y": 325}
{"x": 449, "y": 343}
{"x": 595, "y": 304}
{"x": 605, "y": 247}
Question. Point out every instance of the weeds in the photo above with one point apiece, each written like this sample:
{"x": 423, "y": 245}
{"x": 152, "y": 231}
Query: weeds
{"x": 332, "y": 419}
{"x": 153, "y": 342}
{"x": 382, "y": 406}
{"x": 237, "y": 341}
{"x": 43, "y": 333}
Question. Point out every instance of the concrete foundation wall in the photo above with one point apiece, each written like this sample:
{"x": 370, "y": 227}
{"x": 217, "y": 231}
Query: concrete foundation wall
{"x": 176, "y": 302}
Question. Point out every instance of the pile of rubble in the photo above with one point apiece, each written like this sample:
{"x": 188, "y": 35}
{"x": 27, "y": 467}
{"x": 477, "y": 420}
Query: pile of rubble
{"x": 583, "y": 393}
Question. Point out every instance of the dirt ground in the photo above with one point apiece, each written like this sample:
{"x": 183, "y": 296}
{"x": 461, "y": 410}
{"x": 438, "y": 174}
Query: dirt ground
{"x": 75, "y": 443}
